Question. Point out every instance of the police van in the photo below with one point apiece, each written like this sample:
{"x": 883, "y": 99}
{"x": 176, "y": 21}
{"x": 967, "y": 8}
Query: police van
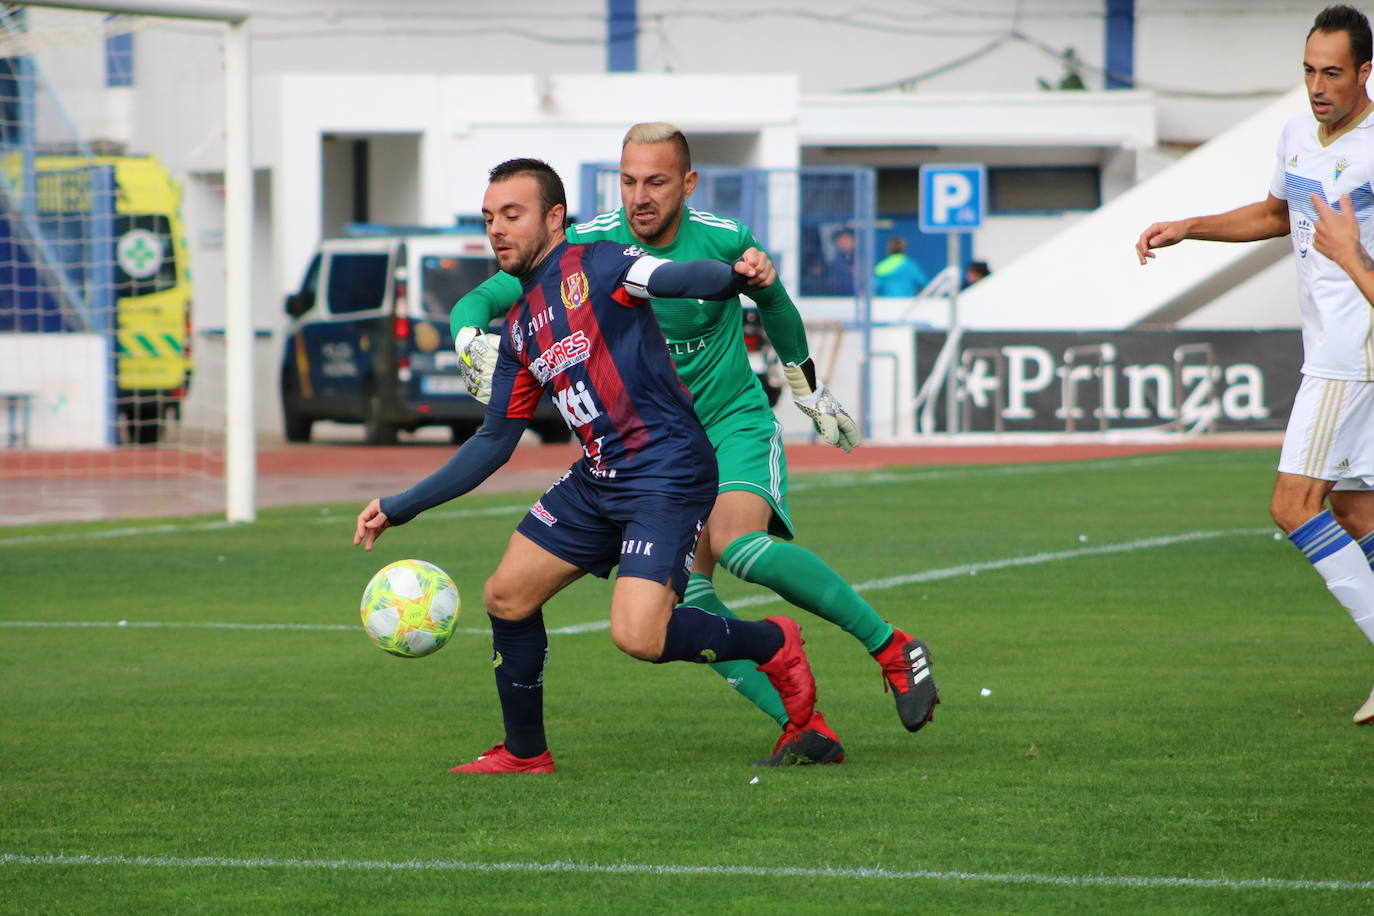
{"x": 369, "y": 341}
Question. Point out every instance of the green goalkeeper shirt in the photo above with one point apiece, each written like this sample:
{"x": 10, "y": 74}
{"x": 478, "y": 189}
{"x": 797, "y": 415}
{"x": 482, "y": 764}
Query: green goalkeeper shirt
{"x": 706, "y": 339}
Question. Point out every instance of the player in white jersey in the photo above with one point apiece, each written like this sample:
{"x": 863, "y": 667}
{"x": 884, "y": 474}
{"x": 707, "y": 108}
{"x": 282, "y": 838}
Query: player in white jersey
{"x": 1328, "y": 449}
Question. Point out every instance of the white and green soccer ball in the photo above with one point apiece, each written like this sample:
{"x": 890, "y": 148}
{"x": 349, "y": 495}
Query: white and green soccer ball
{"x": 410, "y": 608}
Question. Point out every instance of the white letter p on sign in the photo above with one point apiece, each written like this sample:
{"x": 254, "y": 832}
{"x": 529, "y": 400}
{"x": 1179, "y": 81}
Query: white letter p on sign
{"x": 951, "y": 191}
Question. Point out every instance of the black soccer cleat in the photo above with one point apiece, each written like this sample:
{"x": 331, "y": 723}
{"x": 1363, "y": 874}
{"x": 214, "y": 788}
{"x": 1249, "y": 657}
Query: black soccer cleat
{"x": 906, "y": 669}
{"x": 815, "y": 743}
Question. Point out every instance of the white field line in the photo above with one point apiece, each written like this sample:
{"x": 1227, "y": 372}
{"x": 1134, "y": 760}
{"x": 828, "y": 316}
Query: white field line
{"x": 810, "y": 481}
{"x": 632, "y": 868}
{"x": 569, "y": 630}
{"x": 1035, "y": 559}
{"x": 828, "y": 480}
{"x": 929, "y": 575}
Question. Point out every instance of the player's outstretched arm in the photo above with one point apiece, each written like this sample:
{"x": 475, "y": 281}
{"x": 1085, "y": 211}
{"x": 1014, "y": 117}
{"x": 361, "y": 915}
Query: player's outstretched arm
{"x": 1338, "y": 237}
{"x": 477, "y": 460}
{"x": 469, "y": 319}
{"x": 1265, "y": 219}
{"x": 655, "y": 278}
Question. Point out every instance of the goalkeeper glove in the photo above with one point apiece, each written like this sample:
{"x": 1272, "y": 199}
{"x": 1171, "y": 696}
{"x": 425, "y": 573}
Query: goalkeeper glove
{"x": 476, "y": 361}
{"x": 815, "y": 400}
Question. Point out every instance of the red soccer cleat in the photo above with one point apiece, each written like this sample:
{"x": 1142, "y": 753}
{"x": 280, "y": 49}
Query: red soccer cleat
{"x": 906, "y": 669}
{"x": 790, "y": 673}
{"x": 500, "y": 760}
{"x": 804, "y": 746}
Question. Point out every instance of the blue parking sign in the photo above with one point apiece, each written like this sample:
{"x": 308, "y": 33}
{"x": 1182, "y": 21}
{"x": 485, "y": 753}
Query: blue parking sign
{"x": 953, "y": 197}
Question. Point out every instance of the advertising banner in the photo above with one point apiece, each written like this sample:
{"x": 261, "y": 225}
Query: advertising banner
{"x": 1081, "y": 381}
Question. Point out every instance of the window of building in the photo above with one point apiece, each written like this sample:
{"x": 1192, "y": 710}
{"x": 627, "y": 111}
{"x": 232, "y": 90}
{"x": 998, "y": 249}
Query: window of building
{"x": 119, "y": 60}
{"x": 1022, "y": 190}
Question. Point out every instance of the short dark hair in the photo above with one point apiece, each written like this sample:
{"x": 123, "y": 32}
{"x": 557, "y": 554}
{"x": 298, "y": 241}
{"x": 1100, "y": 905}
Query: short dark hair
{"x": 551, "y": 193}
{"x": 1353, "y": 23}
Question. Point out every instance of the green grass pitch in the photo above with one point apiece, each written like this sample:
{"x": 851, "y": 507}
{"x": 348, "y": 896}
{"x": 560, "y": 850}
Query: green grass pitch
{"x": 1146, "y": 708}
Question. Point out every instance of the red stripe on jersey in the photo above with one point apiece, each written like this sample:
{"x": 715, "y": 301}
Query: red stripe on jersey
{"x": 601, "y": 367}
{"x": 623, "y": 296}
{"x": 526, "y": 390}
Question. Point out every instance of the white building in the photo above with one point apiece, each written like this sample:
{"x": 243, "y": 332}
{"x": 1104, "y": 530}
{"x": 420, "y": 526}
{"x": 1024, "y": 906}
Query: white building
{"x": 394, "y": 112}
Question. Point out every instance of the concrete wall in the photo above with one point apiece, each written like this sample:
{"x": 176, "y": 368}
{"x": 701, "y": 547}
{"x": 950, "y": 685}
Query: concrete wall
{"x": 67, "y": 380}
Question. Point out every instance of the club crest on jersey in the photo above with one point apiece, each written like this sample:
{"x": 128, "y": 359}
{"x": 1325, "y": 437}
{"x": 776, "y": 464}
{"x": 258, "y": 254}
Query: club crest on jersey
{"x": 561, "y": 355}
{"x": 517, "y": 338}
{"x": 1341, "y": 165}
{"x": 1292, "y": 163}
{"x": 574, "y": 290}
{"x": 1302, "y": 235}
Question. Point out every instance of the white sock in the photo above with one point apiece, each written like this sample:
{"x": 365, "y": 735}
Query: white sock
{"x": 1350, "y": 579}
{"x": 1342, "y": 563}
{"x": 1367, "y": 545}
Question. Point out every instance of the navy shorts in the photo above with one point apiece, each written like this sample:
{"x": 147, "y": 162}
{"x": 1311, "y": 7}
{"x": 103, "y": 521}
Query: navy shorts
{"x": 597, "y": 525}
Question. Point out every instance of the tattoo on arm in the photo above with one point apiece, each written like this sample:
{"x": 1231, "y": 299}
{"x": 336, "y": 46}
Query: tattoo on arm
{"x": 1365, "y": 260}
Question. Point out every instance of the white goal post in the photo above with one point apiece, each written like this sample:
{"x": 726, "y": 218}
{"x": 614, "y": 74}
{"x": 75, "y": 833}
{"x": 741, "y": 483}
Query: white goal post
{"x": 240, "y": 471}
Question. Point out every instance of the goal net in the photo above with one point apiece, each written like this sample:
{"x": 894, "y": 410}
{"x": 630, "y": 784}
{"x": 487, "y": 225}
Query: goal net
{"x": 112, "y": 354}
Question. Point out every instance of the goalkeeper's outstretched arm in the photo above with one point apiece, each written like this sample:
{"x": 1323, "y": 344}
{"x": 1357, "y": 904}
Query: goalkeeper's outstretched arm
{"x": 491, "y": 299}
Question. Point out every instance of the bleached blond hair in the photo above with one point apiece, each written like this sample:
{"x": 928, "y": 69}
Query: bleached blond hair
{"x": 660, "y": 132}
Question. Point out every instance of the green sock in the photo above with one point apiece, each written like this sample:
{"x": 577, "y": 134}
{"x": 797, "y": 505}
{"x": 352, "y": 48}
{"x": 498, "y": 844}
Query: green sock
{"x": 741, "y": 674}
{"x": 801, "y": 578}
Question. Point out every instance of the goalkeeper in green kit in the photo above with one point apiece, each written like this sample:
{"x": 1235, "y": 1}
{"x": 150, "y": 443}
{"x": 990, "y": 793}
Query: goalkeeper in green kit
{"x": 707, "y": 345}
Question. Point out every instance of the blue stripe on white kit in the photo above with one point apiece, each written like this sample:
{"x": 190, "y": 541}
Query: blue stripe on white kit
{"x": 1319, "y": 537}
{"x": 1300, "y": 191}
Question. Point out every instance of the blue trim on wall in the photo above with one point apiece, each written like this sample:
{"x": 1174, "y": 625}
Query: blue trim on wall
{"x": 1120, "y": 44}
{"x": 622, "y": 36}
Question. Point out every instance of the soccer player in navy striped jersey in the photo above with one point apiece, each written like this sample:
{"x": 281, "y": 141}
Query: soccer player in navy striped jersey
{"x": 1328, "y": 448}
{"x": 707, "y": 345}
{"x": 639, "y": 496}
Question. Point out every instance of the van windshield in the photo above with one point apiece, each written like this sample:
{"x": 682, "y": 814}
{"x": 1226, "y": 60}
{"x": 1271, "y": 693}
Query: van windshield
{"x": 445, "y": 280}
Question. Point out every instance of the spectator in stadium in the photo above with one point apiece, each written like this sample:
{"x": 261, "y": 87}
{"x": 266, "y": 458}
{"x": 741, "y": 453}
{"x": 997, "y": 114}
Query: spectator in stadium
{"x": 1328, "y": 448}
{"x": 656, "y": 180}
{"x": 639, "y": 495}
{"x": 976, "y": 271}
{"x": 838, "y": 276}
{"x": 897, "y": 274}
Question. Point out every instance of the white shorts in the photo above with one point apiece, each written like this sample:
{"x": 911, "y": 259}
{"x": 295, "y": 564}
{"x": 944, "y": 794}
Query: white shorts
{"x": 1330, "y": 433}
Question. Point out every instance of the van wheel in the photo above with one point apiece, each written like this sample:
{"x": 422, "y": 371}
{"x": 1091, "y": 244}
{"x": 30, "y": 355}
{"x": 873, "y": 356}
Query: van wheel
{"x": 552, "y": 432}
{"x": 143, "y": 423}
{"x": 296, "y": 425}
{"x": 376, "y": 430}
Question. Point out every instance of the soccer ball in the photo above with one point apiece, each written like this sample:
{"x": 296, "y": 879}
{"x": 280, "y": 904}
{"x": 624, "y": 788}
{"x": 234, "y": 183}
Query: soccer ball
{"x": 410, "y": 608}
